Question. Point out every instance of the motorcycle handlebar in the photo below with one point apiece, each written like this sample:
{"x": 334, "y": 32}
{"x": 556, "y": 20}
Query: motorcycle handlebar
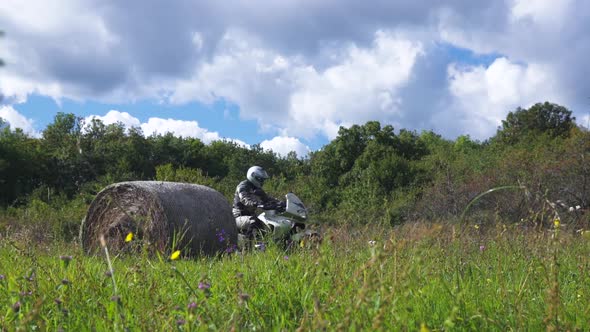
{"x": 273, "y": 206}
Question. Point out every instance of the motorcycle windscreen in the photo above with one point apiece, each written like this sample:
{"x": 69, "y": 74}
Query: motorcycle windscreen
{"x": 295, "y": 207}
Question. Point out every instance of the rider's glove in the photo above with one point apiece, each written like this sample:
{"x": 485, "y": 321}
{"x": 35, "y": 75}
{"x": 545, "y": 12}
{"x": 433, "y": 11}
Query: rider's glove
{"x": 269, "y": 206}
{"x": 281, "y": 206}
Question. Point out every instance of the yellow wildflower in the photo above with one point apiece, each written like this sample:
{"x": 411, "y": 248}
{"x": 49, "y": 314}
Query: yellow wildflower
{"x": 476, "y": 226}
{"x": 424, "y": 328}
{"x": 556, "y": 223}
{"x": 175, "y": 255}
{"x": 129, "y": 237}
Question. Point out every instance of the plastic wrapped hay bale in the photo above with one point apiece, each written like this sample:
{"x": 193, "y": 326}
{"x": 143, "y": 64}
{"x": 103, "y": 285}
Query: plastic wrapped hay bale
{"x": 162, "y": 216}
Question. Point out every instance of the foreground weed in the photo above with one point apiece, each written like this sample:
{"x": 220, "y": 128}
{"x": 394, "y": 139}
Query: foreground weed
{"x": 387, "y": 279}
{"x": 554, "y": 301}
{"x": 116, "y": 309}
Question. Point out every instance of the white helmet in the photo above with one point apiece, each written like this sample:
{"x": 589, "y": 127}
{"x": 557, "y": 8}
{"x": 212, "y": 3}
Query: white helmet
{"x": 257, "y": 175}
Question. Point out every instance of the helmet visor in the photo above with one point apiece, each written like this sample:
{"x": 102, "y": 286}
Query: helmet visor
{"x": 260, "y": 179}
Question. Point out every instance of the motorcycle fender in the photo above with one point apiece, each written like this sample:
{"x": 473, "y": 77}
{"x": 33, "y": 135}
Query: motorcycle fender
{"x": 280, "y": 225}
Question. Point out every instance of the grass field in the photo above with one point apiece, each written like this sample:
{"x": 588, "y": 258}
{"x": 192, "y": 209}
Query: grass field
{"x": 416, "y": 277}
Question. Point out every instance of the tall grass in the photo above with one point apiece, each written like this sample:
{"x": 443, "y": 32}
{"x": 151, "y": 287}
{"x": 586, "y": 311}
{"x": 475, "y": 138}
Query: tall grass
{"x": 403, "y": 278}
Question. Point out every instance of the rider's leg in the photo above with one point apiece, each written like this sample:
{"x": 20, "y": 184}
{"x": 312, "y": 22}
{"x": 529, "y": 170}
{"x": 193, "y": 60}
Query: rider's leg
{"x": 258, "y": 226}
{"x": 250, "y": 225}
{"x": 244, "y": 224}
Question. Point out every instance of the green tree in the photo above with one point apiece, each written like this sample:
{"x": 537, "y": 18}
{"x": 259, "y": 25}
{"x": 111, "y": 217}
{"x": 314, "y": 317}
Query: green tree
{"x": 67, "y": 169}
{"x": 178, "y": 151}
{"x": 217, "y": 154}
{"x": 21, "y": 164}
{"x": 339, "y": 156}
{"x": 106, "y": 151}
{"x": 540, "y": 119}
{"x": 138, "y": 154}
{"x": 383, "y": 165}
{"x": 365, "y": 164}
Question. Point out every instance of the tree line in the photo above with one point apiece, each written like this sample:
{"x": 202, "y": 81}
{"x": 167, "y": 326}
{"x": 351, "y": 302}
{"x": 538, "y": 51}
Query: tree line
{"x": 368, "y": 174}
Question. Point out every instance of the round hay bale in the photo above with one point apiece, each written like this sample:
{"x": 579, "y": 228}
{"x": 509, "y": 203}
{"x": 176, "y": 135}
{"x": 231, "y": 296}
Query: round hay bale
{"x": 163, "y": 216}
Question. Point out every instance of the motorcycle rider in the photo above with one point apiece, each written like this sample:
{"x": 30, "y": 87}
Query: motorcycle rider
{"x": 249, "y": 196}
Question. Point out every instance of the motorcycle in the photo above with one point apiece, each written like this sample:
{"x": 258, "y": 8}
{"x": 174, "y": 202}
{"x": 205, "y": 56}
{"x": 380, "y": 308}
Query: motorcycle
{"x": 285, "y": 225}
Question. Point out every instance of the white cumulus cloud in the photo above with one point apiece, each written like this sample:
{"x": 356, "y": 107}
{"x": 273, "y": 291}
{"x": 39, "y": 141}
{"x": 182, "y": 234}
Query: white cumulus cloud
{"x": 282, "y": 145}
{"x": 17, "y": 120}
{"x": 295, "y": 97}
{"x": 482, "y": 96}
{"x": 114, "y": 116}
{"x": 37, "y": 65}
{"x": 178, "y": 128}
{"x": 308, "y": 68}
{"x": 362, "y": 86}
{"x": 542, "y": 11}
{"x": 154, "y": 126}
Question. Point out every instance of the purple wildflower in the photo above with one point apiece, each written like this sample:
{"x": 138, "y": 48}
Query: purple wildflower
{"x": 192, "y": 305}
{"x": 231, "y": 249}
{"x": 286, "y": 257}
{"x": 180, "y": 321}
{"x": 16, "y": 306}
{"x": 260, "y": 246}
{"x": 221, "y": 235}
{"x": 204, "y": 285}
{"x": 482, "y": 248}
{"x": 2, "y": 277}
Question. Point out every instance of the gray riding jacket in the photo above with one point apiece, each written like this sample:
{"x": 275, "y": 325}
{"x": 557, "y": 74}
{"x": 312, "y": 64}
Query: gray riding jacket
{"x": 247, "y": 198}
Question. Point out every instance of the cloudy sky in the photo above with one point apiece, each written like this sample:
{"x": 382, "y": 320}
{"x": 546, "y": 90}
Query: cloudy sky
{"x": 287, "y": 74}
